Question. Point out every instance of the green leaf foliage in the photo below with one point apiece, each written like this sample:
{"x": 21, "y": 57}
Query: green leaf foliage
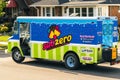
{"x": 2, "y": 6}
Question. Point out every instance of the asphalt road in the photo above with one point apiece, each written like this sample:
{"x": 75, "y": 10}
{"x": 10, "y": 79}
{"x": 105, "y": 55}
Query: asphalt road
{"x": 31, "y": 69}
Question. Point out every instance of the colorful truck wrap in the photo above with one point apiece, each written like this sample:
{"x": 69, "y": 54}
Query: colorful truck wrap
{"x": 72, "y": 40}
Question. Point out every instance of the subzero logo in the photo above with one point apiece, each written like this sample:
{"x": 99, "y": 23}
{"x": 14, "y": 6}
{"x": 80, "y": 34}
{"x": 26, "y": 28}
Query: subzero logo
{"x": 53, "y": 34}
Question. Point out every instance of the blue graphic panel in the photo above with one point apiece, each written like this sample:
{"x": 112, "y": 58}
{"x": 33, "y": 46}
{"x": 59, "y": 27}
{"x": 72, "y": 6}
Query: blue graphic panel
{"x": 39, "y": 32}
{"x": 15, "y": 36}
{"x": 99, "y": 29}
{"x": 81, "y": 33}
{"x": 115, "y": 31}
{"x": 107, "y": 30}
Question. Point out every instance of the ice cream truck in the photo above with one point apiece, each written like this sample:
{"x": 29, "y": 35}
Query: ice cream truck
{"x": 72, "y": 40}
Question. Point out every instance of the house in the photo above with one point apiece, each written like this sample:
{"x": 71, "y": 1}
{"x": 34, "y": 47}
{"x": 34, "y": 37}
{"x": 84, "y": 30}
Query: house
{"x": 112, "y": 8}
{"x": 81, "y": 8}
{"x": 18, "y": 7}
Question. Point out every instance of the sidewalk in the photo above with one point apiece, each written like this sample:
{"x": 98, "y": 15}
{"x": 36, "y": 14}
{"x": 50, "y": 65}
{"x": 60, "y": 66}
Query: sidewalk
{"x": 2, "y": 47}
{"x": 4, "y": 43}
{"x": 119, "y": 48}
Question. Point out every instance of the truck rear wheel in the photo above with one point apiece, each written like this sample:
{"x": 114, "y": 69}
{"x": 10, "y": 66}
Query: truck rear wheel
{"x": 71, "y": 61}
{"x": 16, "y": 56}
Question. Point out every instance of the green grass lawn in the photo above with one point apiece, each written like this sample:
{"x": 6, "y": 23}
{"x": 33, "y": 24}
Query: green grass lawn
{"x": 3, "y": 39}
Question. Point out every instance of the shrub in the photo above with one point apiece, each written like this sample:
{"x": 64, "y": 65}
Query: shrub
{"x": 3, "y": 29}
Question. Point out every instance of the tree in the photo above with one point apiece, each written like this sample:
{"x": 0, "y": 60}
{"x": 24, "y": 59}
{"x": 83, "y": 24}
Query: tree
{"x": 2, "y": 6}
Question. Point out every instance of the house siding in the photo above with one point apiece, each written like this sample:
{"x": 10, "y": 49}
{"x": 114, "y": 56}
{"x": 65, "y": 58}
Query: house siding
{"x": 113, "y": 11}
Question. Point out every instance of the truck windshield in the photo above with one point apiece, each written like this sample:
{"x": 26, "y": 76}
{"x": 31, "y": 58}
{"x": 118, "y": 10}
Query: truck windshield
{"x": 15, "y": 27}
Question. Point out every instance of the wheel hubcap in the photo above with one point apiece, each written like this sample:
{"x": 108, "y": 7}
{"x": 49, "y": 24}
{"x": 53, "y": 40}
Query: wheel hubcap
{"x": 71, "y": 61}
{"x": 17, "y": 55}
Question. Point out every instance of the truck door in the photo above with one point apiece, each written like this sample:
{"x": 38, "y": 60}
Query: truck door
{"x": 25, "y": 38}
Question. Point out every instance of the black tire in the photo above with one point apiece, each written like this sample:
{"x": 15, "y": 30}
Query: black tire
{"x": 16, "y": 56}
{"x": 71, "y": 61}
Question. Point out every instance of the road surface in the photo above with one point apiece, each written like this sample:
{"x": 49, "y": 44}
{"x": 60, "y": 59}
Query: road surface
{"x": 31, "y": 69}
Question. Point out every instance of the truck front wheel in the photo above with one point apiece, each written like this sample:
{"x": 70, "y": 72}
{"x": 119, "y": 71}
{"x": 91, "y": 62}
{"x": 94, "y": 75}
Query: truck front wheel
{"x": 71, "y": 61}
{"x": 16, "y": 56}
